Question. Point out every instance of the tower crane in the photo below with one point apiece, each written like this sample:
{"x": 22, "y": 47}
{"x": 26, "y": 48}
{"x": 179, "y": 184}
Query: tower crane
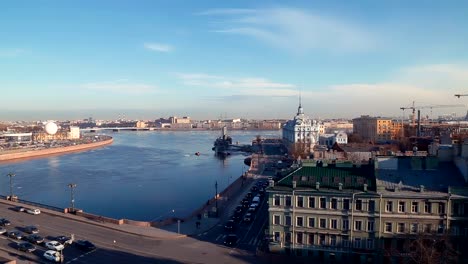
{"x": 460, "y": 95}
{"x": 414, "y": 108}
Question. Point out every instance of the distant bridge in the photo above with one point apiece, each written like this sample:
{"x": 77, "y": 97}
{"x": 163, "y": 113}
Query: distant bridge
{"x": 117, "y": 129}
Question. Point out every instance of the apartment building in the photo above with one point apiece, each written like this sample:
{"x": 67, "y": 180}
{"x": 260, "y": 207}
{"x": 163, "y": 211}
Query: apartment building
{"x": 376, "y": 129}
{"x": 366, "y": 214}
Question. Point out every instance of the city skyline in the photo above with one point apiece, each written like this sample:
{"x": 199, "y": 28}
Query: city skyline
{"x": 208, "y": 59}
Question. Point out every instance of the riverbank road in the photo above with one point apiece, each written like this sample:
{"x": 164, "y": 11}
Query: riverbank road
{"x": 115, "y": 244}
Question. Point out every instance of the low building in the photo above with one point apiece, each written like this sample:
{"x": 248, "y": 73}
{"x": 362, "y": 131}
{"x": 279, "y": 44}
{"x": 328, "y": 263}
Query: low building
{"x": 369, "y": 213}
{"x": 330, "y": 139}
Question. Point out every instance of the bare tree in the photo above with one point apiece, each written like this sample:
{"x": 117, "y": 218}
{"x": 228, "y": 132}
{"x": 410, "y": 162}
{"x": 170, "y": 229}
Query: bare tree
{"x": 431, "y": 248}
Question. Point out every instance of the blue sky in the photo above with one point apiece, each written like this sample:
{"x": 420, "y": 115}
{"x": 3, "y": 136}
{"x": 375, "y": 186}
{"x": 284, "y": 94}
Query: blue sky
{"x": 206, "y": 59}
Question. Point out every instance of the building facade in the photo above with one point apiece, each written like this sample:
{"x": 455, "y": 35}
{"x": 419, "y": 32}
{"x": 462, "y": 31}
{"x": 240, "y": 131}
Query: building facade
{"x": 377, "y": 129}
{"x": 301, "y": 134}
{"x": 330, "y": 139}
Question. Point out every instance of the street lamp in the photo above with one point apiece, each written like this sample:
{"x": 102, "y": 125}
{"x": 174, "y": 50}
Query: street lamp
{"x": 216, "y": 197}
{"x": 11, "y": 175}
{"x": 72, "y": 193}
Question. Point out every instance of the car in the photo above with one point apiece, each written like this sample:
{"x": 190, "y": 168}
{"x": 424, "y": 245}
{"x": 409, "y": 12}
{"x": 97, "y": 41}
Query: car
{"x": 31, "y": 230}
{"x": 34, "y": 238}
{"x": 54, "y": 245}
{"x": 231, "y": 240}
{"x": 52, "y": 255}
{"x": 254, "y": 189}
{"x": 85, "y": 245}
{"x": 2, "y": 230}
{"x": 249, "y": 195}
{"x": 230, "y": 225}
{"x": 26, "y": 247}
{"x": 236, "y": 218}
{"x": 19, "y": 208}
{"x": 64, "y": 240}
{"x": 245, "y": 203}
{"x": 248, "y": 218}
{"x": 14, "y": 234}
{"x": 4, "y": 222}
{"x": 33, "y": 211}
{"x": 239, "y": 209}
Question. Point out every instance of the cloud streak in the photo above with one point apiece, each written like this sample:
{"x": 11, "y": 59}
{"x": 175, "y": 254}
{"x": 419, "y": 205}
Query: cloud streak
{"x": 159, "y": 47}
{"x": 293, "y": 29}
{"x": 120, "y": 87}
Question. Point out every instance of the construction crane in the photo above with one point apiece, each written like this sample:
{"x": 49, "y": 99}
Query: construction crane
{"x": 414, "y": 108}
{"x": 460, "y": 95}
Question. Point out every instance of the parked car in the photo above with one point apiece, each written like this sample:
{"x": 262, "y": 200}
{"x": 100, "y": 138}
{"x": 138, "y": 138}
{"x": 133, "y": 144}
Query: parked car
{"x": 248, "y": 218}
{"x": 33, "y": 211}
{"x": 26, "y": 247}
{"x": 34, "y": 238}
{"x": 52, "y": 255}
{"x": 19, "y": 208}
{"x": 4, "y": 222}
{"x": 249, "y": 195}
{"x": 231, "y": 240}
{"x": 85, "y": 245}
{"x": 64, "y": 240}
{"x": 14, "y": 234}
{"x": 236, "y": 218}
{"x": 2, "y": 230}
{"x": 239, "y": 209}
{"x": 230, "y": 225}
{"x": 54, "y": 245}
{"x": 31, "y": 230}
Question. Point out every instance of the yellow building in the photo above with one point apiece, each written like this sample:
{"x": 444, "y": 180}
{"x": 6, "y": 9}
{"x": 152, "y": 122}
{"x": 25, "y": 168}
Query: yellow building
{"x": 376, "y": 129}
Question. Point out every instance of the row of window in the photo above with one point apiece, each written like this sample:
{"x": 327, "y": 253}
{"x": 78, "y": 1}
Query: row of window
{"x": 323, "y": 240}
{"x": 359, "y": 204}
{"x": 343, "y": 224}
{"x": 411, "y": 228}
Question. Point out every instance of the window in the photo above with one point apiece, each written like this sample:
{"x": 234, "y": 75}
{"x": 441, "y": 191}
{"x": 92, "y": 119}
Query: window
{"x": 311, "y": 222}
{"x": 277, "y": 236}
{"x": 323, "y": 223}
{"x": 345, "y": 241}
{"x": 323, "y": 203}
{"x": 334, "y": 203}
{"x": 401, "y": 228}
{"x": 370, "y": 226}
{"x": 276, "y": 220}
{"x": 388, "y": 227}
{"x": 427, "y": 228}
{"x": 389, "y": 206}
{"x": 427, "y": 207}
{"x": 287, "y": 220}
{"x": 370, "y": 244}
{"x": 401, "y": 207}
{"x": 440, "y": 228}
{"x": 371, "y": 205}
{"x": 300, "y": 201}
{"x": 276, "y": 201}
{"x": 311, "y": 239}
{"x": 312, "y": 202}
{"x": 414, "y": 207}
{"x": 345, "y": 204}
{"x": 441, "y": 208}
{"x": 414, "y": 228}
{"x": 357, "y": 225}
{"x": 357, "y": 242}
{"x": 345, "y": 224}
{"x": 288, "y": 238}
{"x": 333, "y": 240}
{"x": 322, "y": 240}
{"x": 299, "y": 237}
{"x": 299, "y": 221}
{"x": 359, "y": 205}
{"x": 334, "y": 224}
{"x": 288, "y": 201}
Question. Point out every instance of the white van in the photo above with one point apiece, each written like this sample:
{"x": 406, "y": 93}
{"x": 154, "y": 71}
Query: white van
{"x": 256, "y": 200}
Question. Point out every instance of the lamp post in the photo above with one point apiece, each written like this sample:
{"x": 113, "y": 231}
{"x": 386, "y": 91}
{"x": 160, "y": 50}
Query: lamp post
{"x": 11, "y": 175}
{"x": 216, "y": 197}
{"x": 72, "y": 193}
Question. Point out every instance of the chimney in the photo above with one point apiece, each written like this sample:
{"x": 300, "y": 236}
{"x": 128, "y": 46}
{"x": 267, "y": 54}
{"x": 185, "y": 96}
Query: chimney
{"x": 340, "y": 186}
{"x": 317, "y": 185}
{"x": 271, "y": 183}
{"x": 421, "y": 188}
{"x": 294, "y": 183}
{"x": 365, "y": 187}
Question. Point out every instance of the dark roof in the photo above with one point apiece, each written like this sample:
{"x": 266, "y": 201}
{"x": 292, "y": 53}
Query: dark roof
{"x": 331, "y": 177}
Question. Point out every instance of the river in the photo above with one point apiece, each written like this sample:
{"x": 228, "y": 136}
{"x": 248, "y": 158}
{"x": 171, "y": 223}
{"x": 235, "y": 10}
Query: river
{"x": 142, "y": 176}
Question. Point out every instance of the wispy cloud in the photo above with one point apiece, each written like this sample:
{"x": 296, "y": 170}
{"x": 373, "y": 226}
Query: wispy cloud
{"x": 296, "y": 30}
{"x": 239, "y": 86}
{"x": 122, "y": 86}
{"x": 158, "y": 47}
{"x": 6, "y": 53}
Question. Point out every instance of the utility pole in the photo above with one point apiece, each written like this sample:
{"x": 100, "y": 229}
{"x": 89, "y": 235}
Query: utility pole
{"x": 216, "y": 197}
{"x": 11, "y": 175}
{"x": 72, "y": 198}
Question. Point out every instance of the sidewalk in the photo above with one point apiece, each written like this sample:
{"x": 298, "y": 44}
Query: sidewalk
{"x": 227, "y": 201}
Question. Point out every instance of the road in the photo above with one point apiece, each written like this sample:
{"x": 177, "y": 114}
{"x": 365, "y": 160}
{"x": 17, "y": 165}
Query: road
{"x": 114, "y": 246}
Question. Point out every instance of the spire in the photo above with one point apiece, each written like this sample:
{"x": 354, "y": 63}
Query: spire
{"x": 300, "y": 111}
